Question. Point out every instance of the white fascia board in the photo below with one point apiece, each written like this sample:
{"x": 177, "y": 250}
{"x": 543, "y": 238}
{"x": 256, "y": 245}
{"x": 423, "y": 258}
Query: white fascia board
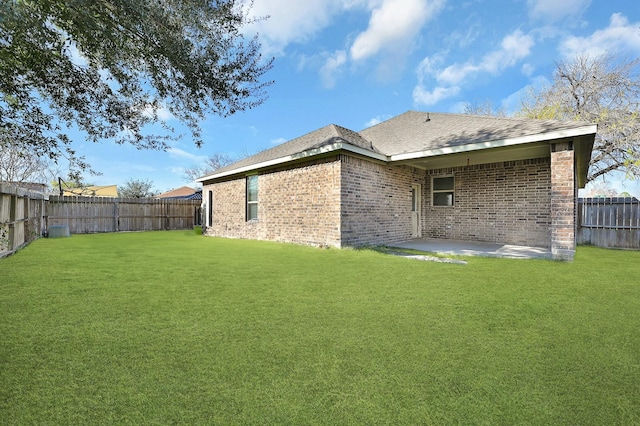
{"x": 300, "y": 155}
{"x": 363, "y": 152}
{"x": 540, "y": 137}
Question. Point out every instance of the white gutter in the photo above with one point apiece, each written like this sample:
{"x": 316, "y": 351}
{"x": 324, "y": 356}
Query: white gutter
{"x": 540, "y": 137}
{"x": 297, "y": 156}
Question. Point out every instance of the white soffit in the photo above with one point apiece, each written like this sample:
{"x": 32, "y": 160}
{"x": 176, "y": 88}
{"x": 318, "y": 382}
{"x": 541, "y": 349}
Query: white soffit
{"x": 540, "y": 137}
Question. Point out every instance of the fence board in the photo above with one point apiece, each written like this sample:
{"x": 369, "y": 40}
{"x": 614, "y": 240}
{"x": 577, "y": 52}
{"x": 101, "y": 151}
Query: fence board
{"x": 85, "y": 215}
{"x": 609, "y": 222}
{"x": 20, "y": 217}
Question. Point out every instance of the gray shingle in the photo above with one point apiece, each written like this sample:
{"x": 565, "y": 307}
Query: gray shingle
{"x": 318, "y": 138}
{"x": 416, "y": 131}
{"x": 412, "y": 131}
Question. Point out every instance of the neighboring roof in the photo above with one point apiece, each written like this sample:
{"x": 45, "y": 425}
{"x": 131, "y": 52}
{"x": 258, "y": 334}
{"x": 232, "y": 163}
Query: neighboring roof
{"x": 413, "y": 136}
{"x": 93, "y": 191}
{"x": 195, "y": 196}
{"x": 181, "y": 192}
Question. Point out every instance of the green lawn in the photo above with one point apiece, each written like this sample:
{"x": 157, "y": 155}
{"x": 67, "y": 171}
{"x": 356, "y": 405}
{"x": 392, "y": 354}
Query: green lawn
{"x": 172, "y": 327}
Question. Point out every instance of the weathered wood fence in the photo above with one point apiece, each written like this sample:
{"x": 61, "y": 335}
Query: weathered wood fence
{"x": 609, "y": 222}
{"x": 85, "y": 215}
{"x": 26, "y": 215}
{"x": 21, "y": 217}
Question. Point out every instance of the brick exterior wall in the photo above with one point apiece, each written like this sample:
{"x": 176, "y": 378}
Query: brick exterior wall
{"x": 376, "y": 201}
{"x": 563, "y": 202}
{"x": 347, "y": 201}
{"x": 505, "y": 202}
{"x": 299, "y": 205}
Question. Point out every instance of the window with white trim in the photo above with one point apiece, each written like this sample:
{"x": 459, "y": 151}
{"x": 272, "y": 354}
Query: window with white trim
{"x": 443, "y": 191}
{"x": 210, "y": 209}
{"x": 252, "y": 197}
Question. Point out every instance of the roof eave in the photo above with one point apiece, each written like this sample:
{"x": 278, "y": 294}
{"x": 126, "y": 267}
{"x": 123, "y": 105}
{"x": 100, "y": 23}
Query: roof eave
{"x": 539, "y": 137}
{"x": 339, "y": 146}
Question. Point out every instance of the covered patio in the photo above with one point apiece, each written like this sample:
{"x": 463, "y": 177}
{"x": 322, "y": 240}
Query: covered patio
{"x": 475, "y": 248}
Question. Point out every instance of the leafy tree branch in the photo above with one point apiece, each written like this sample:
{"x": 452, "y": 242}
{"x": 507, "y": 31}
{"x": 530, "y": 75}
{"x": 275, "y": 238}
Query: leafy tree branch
{"x": 107, "y": 67}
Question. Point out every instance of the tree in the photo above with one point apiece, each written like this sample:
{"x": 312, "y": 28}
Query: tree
{"x": 599, "y": 189}
{"x": 604, "y": 90}
{"x": 483, "y": 108}
{"x": 137, "y": 188}
{"x": 108, "y": 67}
{"x": 18, "y": 167}
{"x": 212, "y": 164}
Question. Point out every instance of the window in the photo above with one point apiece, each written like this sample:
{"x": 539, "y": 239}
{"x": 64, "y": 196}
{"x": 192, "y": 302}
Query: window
{"x": 210, "y": 209}
{"x": 252, "y": 197}
{"x": 443, "y": 191}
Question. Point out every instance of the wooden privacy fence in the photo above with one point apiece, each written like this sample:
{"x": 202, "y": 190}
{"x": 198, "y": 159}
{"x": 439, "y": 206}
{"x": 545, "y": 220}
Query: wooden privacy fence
{"x": 609, "y": 222}
{"x": 85, "y": 215}
{"x": 21, "y": 213}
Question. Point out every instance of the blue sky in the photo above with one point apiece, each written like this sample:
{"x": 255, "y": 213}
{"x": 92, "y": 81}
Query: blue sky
{"x": 357, "y": 62}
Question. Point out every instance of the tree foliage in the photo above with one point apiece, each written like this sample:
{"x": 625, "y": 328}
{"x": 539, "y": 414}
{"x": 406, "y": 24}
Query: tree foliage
{"x": 18, "y": 167}
{"x": 485, "y": 107}
{"x": 108, "y": 67}
{"x": 137, "y": 188}
{"x": 604, "y": 90}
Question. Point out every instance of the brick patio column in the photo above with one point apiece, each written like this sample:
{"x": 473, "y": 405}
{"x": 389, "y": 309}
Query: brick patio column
{"x": 563, "y": 198}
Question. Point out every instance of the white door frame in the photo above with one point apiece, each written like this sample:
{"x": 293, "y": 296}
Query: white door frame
{"x": 416, "y": 210}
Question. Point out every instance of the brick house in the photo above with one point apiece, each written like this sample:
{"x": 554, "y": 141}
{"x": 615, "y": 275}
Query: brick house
{"x": 417, "y": 175}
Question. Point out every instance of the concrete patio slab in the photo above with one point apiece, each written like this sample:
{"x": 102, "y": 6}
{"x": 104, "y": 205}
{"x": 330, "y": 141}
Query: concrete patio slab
{"x": 475, "y": 248}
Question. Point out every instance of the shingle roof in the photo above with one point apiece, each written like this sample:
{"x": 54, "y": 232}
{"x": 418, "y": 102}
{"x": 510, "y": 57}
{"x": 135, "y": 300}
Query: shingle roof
{"x": 183, "y": 191}
{"x": 324, "y": 136}
{"x": 420, "y": 131}
{"x": 410, "y": 132}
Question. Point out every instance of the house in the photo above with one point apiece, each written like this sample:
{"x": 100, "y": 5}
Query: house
{"x": 182, "y": 193}
{"x": 418, "y": 175}
{"x": 92, "y": 191}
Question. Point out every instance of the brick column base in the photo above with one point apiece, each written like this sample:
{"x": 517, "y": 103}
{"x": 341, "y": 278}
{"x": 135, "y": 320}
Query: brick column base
{"x": 563, "y": 198}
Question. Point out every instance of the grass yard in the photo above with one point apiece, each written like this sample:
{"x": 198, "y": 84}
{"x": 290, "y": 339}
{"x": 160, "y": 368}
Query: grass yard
{"x": 175, "y": 328}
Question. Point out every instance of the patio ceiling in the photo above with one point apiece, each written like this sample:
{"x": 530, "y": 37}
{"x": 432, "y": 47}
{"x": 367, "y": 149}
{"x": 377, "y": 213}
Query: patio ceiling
{"x": 493, "y": 155}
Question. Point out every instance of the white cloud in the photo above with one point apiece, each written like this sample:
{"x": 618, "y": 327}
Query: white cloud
{"x": 332, "y": 67}
{"x": 620, "y": 35}
{"x": 293, "y": 21}
{"x": 513, "y": 48}
{"x": 423, "y": 96}
{"x": 527, "y": 69}
{"x": 554, "y": 10}
{"x": 165, "y": 114}
{"x": 393, "y": 24}
{"x": 177, "y": 170}
{"x": 376, "y": 120}
{"x": 182, "y": 154}
{"x": 75, "y": 56}
{"x": 162, "y": 112}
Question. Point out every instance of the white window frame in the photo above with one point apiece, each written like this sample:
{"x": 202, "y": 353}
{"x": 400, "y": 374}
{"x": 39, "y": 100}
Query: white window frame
{"x": 249, "y": 202}
{"x": 451, "y": 191}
